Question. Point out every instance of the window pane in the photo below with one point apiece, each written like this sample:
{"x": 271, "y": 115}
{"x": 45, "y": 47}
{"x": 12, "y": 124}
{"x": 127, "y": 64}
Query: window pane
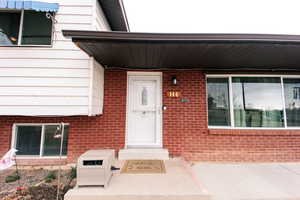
{"x": 292, "y": 101}
{"x": 257, "y": 102}
{"x": 52, "y": 144}
{"x": 9, "y": 28}
{"x": 218, "y": 102}
{"x": 37, "y": 28}
{"x": 28, "y": 140}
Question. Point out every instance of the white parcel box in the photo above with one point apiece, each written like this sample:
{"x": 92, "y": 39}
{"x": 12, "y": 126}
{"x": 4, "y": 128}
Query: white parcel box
{"x": 94, "y": 168}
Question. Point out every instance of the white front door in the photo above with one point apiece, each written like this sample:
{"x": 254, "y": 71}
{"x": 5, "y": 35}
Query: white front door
{"x": 144, "y": 110}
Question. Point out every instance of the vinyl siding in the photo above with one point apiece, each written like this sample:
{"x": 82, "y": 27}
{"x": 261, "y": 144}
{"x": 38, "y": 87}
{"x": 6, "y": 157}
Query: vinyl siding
{"x": 54, "y": 80}
{"x": 97, "y": 89}
{"x": 99, "y": 20}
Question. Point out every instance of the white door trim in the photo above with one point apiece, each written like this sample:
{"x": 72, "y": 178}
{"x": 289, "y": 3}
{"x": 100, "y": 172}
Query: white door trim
{"x": 134, "y": 73}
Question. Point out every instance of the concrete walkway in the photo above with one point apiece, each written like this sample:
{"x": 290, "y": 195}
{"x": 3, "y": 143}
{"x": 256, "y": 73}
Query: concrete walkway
{"x": 178, "y": 183}
{"x": 274, "y": 181}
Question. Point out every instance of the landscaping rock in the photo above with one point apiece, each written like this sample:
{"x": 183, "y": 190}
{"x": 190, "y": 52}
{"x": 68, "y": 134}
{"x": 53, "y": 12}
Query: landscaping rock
{"x": 34, "y": 186}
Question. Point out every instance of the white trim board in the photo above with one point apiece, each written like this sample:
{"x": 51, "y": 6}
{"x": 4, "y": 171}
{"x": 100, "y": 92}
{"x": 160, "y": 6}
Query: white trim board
{"x": 132, "y": 73}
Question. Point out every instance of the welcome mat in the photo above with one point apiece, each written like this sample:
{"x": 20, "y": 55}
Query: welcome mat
{"x": 144, "y": 167}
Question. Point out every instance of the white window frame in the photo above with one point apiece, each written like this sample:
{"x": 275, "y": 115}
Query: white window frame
{"x": 231, "y": 109}
{"x": 21, "y": 33}
{"x": 40, "y": 156}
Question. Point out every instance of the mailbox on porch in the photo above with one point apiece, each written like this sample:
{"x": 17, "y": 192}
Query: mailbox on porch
{"x": 94, "y": 168}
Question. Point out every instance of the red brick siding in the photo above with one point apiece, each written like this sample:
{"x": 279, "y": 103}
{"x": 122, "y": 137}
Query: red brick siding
{"x": 184, "y": 123}
{"x": 185, "y": 129}
{"x": 41, "y": 162}
{"x": 186, "y": 132}
{"x": 256, "y": 132}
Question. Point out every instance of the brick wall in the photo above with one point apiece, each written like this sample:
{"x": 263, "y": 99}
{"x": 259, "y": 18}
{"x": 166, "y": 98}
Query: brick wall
{"x": 186, "y": 133}
{"x": 184, "y": 126}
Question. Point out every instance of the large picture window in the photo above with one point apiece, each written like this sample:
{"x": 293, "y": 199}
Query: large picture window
{"x": 292, "y": 101}
{"x": 257, "y": 102}
{"x": 253, "y": 102}
{"x": 25, "y": 28}
{"x": 218, "y": 102}
{"x": 40, "y": 140}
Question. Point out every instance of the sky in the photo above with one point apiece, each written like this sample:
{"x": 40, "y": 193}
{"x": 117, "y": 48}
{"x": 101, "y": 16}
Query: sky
{"x": 214, "y": 16}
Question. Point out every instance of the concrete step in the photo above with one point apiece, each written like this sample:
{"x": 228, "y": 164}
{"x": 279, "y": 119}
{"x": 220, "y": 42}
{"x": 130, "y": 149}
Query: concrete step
{"x": 143, "y": 154}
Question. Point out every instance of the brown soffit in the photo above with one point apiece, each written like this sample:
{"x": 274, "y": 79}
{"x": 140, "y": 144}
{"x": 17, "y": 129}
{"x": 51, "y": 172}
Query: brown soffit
{"x": 210, "y": 52}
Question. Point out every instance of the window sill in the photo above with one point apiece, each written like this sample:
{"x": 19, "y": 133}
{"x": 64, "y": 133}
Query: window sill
{"x": 38, "y": 157}
{"x": 253, "y": 131}
{"x": 33, "y": 46}
{"x": 40, "y": 161}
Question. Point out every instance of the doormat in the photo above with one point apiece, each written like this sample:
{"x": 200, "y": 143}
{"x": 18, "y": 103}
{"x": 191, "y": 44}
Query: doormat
{"x": 144, "y": 167}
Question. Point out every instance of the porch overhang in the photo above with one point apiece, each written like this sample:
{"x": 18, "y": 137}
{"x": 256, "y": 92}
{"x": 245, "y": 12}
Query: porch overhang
{"x": 208, "y": 52}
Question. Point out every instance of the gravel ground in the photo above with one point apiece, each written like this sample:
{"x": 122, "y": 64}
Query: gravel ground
{"x": 32, "y": 182}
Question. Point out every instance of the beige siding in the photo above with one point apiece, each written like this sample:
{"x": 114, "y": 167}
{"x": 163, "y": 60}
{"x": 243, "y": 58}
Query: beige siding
{"x": 54, "y": 80}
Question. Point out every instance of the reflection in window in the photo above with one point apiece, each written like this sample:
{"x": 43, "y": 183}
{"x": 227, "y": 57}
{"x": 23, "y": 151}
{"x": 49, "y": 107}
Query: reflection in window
{"x": 292, "y": 101}
{"x": 218, "y": 102}
{"x": 144, "y": 96}
{"x": 257, "y": 102}
{"x": 34, "y": 28}
{"x": 296, "y": 92}
{"x": 28, "y": 140}
{"x": 52, "y": 144}
{"x": 33, "y": 34}
{"x": 9, "y": 28}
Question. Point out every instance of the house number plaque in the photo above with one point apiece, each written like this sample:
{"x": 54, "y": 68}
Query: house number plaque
{"x": 173, "y": 94}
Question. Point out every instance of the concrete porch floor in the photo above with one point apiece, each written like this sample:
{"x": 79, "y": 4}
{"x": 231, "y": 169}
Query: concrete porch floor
{"x": 179, "y": 183}
{"x": 254, "y": 181}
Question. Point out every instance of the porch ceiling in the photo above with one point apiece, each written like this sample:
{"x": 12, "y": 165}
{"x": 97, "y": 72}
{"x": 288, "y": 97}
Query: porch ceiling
{"x": 209, "y": 52}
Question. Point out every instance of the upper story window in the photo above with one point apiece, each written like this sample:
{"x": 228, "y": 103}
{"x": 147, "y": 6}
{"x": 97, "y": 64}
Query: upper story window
{"x": 253, "y": 102}
{"x": 25, "y": 27}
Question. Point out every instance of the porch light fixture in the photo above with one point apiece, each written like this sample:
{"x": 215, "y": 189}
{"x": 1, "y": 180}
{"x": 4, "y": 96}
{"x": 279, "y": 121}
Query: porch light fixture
{"x": 174, "y": 80}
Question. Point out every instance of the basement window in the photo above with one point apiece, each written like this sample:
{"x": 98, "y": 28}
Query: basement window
{"x": 25, "y": 27}
{"x": 39, "y": 140}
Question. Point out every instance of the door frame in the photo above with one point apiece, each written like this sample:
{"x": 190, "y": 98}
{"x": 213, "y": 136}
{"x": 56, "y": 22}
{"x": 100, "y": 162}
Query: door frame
{"x": 149, "y": 74}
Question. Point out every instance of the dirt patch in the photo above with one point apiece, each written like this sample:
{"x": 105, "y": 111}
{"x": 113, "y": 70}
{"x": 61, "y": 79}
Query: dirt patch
{"x": 33, "y": 185}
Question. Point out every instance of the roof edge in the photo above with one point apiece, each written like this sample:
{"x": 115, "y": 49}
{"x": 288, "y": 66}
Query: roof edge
{"x": 115, "y": 14}
{"x": 133, "y": 36}
{"x": 125, "y": 15}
